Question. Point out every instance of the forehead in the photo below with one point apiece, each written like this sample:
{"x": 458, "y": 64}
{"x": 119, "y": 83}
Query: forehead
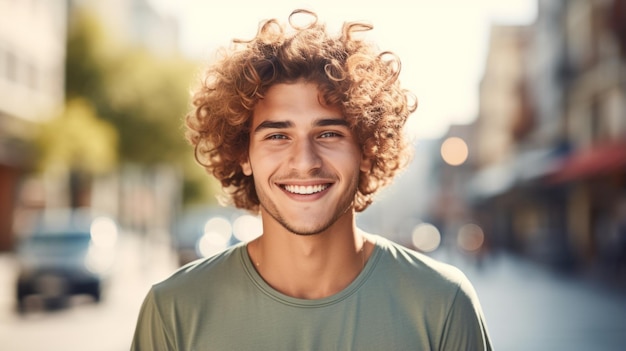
{"x": 293, "y": 101}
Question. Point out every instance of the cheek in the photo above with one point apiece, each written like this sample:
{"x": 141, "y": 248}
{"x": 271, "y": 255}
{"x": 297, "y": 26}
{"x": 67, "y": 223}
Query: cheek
{"x": 263, "y": 161}
{"x": 362, "y": 163}
{"x": 352, "y": 162}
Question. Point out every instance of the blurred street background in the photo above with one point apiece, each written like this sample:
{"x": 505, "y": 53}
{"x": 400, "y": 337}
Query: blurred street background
{"x": 526, "y": 306}
{"x": 518, "y": 177}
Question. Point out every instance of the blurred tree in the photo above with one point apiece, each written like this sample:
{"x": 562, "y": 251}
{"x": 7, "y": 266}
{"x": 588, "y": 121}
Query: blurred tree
{"x": 78, "y": 139}
{"x": 147, "y": 99}
{"x": 80, "y": 142}
{"x": 144, "y": 97}
{"x": 86, "y": 57}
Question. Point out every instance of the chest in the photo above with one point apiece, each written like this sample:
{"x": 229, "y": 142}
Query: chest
{"x": 355, "y": 323}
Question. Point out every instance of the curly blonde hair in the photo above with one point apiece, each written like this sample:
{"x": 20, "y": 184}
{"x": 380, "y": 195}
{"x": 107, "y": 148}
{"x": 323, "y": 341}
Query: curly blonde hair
{"x": 350, "y": 73}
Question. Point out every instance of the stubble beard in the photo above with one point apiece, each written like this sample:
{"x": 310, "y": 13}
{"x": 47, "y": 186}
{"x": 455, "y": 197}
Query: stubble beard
{"x": 345, "y": 204}
{"x": 305, "y": 231}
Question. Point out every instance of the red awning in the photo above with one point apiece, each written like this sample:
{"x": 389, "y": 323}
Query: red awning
{"x": 596, "y": 161}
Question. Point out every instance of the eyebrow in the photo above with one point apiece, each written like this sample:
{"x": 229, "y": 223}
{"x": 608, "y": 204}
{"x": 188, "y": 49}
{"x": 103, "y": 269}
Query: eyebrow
{"x": 332, "y": 122}
{"x": 325, "y": 122}
{"x": 273, "y": 125}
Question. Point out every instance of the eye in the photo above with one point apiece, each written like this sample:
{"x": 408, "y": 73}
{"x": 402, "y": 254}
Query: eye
{"x": 276, "y": 137}
{"x": 330, "y": 134}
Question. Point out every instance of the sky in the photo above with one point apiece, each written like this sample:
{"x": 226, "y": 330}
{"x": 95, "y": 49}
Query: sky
{"x": 442, "y": 43}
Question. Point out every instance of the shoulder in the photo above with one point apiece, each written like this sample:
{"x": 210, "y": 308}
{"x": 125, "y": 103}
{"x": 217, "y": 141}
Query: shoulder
{"x": 196, "y": 276}
{"x": 419, "y": 269}
{"x": 435, "y": 293}
{"x": 420, "y": 280}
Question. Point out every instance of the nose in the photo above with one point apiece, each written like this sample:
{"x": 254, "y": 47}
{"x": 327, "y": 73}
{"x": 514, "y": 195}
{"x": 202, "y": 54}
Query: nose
{"x": 304, "y": 156}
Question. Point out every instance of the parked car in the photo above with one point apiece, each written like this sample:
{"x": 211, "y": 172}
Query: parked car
{"x": 203, "y": 231}
{"x": 65, "y": 253}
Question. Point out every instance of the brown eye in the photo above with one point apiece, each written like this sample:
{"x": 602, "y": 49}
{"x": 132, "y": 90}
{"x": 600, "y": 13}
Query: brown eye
{"x": 276, "y": 137}
{"x": 330, "y": 135}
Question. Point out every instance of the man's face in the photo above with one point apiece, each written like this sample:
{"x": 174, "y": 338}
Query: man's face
{"x": 304, "y": 159}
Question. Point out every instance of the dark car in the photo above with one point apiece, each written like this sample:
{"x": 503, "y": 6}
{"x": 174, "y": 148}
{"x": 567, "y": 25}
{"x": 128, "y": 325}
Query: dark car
{"x": 66, "y": 253}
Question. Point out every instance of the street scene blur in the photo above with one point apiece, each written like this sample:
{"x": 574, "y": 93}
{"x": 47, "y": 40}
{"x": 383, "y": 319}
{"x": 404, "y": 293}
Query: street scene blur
{"x": 101, "y": 197}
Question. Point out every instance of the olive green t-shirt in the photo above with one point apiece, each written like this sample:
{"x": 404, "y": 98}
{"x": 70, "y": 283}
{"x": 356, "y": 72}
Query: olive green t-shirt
{"x": 402, "y": 300}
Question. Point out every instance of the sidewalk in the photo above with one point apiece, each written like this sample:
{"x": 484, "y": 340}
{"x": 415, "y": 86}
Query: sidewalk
{"x": 528, "y": 307}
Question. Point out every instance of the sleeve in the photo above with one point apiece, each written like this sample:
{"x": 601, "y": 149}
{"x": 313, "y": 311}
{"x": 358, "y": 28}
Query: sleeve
{"x": 465, "y": 327}
{"x": 150, "y": 332}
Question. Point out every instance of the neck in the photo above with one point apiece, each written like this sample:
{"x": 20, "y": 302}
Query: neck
{"x": 310, "y": 266}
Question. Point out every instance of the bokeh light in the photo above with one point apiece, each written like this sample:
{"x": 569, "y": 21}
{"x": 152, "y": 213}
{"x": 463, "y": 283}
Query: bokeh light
{"x": 470, "y": 237}
{"x": 217, "y": 234}
{"x": 454, "y": 151}
{"x": 103, "y": 232}
{"x": 426, "y": 237}
{"x": 247, "y": 227}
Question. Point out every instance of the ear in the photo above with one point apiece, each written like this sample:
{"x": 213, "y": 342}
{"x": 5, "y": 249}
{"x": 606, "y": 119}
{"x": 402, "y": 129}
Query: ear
{"x": 366, "y": 164}
{"x": 246, "y": 168}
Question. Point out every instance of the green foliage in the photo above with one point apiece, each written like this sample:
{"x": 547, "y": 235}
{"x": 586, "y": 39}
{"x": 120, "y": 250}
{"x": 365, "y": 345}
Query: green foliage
{"x": 198, "y": 187}
{"x": 147, "y": 100}
{"x": 86, "y": 59}
{"x": 143, "y": 96}
{"x": 78, "y": 140}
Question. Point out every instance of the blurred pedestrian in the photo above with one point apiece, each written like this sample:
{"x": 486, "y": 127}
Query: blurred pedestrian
{"x": 304, "y": 128}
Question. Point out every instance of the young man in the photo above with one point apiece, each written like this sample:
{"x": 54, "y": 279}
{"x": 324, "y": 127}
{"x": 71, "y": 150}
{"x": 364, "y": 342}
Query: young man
{"x": 303, "y": 128}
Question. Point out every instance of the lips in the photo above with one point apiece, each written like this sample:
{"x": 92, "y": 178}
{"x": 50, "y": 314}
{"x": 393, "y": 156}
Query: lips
{"x": 305, "y": 189}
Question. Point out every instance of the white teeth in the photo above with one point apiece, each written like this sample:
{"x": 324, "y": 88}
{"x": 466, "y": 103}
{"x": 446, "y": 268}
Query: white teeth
{"x": 305, "y": 190}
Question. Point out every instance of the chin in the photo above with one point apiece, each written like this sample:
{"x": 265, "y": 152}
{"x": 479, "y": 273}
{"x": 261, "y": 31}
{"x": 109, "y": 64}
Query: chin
{"x": 305, "y": 230}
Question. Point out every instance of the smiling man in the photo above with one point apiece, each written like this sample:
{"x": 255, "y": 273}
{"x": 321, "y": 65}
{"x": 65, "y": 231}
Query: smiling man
{"x": 304, "y": 128}
{"x": 304, "y": 158}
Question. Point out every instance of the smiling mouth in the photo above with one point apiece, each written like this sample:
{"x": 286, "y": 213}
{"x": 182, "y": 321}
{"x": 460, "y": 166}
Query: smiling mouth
{"x": 305, "y": 189}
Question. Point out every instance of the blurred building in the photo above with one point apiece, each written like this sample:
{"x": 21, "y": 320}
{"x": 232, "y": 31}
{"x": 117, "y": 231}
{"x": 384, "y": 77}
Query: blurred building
{"x": 477, "y": 190}
{"x": 594, "y": 126}
{"x": 549, "y": 145}
{"x": 453, "y": 169}
{"x": 32, "y": 64}
{"x": 33, "y": 42}
{"x": 136, "y": 22}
